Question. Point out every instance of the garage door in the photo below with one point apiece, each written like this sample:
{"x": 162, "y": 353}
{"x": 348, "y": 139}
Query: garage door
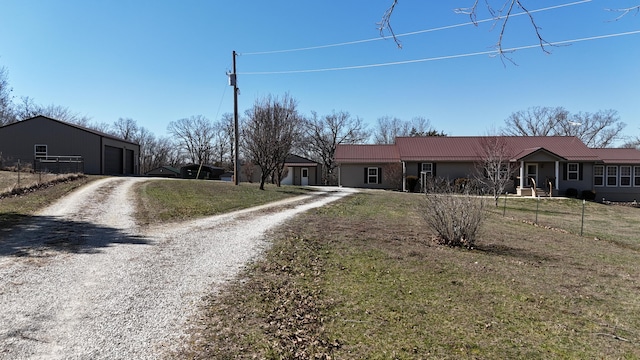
{"x": 112, "y": 160}
{"x": 129, "y": 162}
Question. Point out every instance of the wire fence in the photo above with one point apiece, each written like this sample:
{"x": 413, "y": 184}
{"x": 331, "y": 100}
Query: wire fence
{"x": 16, "y": 174}
{"x": 616, "y": 222}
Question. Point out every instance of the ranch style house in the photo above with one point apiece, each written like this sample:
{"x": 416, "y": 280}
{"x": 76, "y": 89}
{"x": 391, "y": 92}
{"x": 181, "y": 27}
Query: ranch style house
{"x": 544, "y": 165}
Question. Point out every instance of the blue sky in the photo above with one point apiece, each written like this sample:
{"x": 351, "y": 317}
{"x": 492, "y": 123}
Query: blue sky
{"x": 157, "y": 61}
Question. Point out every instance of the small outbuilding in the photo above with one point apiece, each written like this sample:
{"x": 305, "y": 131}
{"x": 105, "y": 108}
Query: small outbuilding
{"x": 207, "y": 172}
{"x": 164, "y": 171}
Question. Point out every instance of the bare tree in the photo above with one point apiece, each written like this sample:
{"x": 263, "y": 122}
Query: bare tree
{"x": 223, "y": 141}
{"x": 125, "y": 128}
{"x": 633, "y": 143}
{"x": 598, "y": 129}
{"x": 7, "y": 114}
{"x": 147, "y": 142}
{"x": 494, "y": 170}
{"x": 194, "y": 135}
{"x": 535, "y": 121}
{"x": 28, "y": 108}
{"x": 269, "y": 133}
{"x": 166, "y": 152}
{"x": 388, "y": 129}
{"x": 422, "y": 127}
{"x": 324, "y": 134}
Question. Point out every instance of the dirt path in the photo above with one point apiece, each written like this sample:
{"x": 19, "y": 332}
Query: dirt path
{"x": 81, "y": 281}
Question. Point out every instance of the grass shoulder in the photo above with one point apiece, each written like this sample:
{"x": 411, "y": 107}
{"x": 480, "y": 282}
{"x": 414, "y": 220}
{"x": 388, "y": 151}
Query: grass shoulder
{"x": 177, "y": 200}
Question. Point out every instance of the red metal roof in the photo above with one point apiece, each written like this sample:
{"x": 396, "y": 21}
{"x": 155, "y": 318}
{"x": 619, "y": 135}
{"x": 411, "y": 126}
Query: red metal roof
{"x": 618, "y": 156}
{"x": 366, "y": 154}
{"x": 469, "y": 148}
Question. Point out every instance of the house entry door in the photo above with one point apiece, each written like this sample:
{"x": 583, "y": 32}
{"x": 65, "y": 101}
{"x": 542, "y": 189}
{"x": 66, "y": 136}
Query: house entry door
{"x": 305, "y": 177}
{"x": 532, "y": 173}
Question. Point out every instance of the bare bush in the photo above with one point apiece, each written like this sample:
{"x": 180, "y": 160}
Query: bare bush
{"x": 455, "y": 217}
{"x": 393, "y": 174}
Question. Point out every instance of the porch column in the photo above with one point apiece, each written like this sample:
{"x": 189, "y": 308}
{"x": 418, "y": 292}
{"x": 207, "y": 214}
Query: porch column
{"x": 557, "y": 174}
{"x": 522, "y": 182}
{"x": 404, "y": 177}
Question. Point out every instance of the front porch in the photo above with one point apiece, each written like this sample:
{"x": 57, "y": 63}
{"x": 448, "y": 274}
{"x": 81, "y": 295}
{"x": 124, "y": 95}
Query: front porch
{"x": 536, "y": 192}
{"x": 539, "y": 174}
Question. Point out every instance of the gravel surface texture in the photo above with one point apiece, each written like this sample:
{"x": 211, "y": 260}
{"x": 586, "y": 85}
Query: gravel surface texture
{"x": 82, "y": 281}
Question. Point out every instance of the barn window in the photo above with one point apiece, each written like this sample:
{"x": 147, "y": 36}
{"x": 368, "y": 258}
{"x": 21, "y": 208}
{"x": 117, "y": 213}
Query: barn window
{"x": 40, "y": 151}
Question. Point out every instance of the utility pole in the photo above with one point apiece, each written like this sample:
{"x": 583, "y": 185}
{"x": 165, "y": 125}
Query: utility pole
{"x": 233, "y": 81}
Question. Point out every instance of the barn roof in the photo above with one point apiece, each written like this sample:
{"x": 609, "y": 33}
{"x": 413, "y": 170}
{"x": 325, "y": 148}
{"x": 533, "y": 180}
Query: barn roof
{"x": 92, "y": 131}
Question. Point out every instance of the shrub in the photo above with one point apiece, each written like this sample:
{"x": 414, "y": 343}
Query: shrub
{"x": 571, "y": 192}
{"x": 461, "y": 184}
{"x": 589, "y": 195}
{"x": 412, "y": 181}
{"x": 456, "y": 218}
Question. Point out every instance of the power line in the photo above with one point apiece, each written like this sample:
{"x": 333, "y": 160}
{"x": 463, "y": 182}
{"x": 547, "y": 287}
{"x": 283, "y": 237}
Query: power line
{"x": 488, "y": 52}
{"x": 413, "y": 32}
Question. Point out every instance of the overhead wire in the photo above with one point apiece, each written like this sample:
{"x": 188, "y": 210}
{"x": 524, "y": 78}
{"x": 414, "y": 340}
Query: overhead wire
{"x": 488, "y": 52}
{"x": 447, "y": 27}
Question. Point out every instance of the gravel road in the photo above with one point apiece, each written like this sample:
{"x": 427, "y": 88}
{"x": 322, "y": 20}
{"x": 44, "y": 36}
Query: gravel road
{"x": 83, "y": 281}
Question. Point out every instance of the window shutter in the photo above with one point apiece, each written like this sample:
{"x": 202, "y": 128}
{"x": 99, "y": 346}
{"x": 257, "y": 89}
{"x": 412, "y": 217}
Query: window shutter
{"x": 433, "y": 169}
{"x": 366, "y": 175}
{"x": 564, "y": 171}
{"x": 580, "y": 170}
{"x": 419, "y": 169}
{"x": 379, "y": 175}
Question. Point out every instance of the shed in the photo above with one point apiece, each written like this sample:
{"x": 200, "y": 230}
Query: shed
{"x": 164, "y": 171}
{"x": 208, "y": 172}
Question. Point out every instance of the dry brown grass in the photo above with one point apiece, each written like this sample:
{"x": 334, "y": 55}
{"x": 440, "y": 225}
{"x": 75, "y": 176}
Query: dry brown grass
{"x": 18, "y": 203}
{"x": 362, "y": 279}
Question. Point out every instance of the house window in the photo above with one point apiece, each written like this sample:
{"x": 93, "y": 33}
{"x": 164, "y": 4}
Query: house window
{"x": 612, "y": 176}
{"x": 573, "y": 171}
{"x": 427, "y": 169}
{"x": 598, "y": 175}
{"x": 636, "y": 176}
{"x": 625, "y": 175}
{"x": 40, "y": 151}
{"x": 372, "y": 177}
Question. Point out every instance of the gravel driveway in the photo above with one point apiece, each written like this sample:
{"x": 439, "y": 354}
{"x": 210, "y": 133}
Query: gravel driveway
{"x": 82, "y": 281}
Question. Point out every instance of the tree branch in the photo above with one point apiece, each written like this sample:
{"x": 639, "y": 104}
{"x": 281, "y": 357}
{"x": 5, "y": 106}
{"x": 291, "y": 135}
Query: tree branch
{"x": 626, "y": 11}
{"x": 385, "y": 24}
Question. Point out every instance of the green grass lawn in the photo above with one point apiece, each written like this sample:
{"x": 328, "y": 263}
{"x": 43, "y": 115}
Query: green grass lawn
{"x": 175, "y": 200}
{"x": 361, "y": 278}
